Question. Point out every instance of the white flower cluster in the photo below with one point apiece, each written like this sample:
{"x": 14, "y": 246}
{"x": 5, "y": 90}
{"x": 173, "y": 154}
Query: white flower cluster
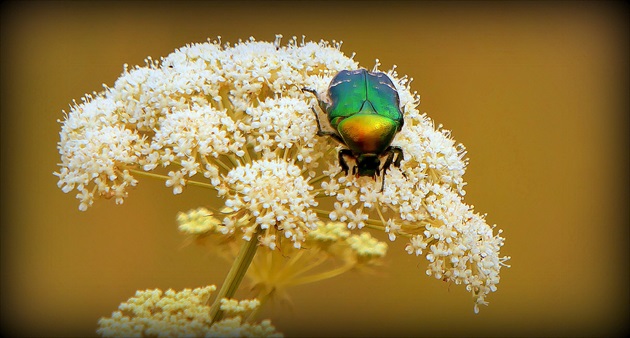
{"x": 458, "y": 244}
{"x": 203, "y": 109}
{"x": 234, "y": 119}
{"x": 153, "y": 313}
{"x": 276, "y": 195}
{"x": 95, "y": 146}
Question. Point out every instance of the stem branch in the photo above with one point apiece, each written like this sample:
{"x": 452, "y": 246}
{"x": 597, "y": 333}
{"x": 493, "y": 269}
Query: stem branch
{"x": 234, "y": 276}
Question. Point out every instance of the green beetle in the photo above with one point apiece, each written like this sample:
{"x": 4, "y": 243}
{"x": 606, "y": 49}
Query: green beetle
{"x": 363, "y": 109}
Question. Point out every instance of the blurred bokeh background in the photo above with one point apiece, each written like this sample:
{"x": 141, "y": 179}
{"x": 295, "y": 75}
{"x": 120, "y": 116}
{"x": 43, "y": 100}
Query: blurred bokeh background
{"x": 537, "y": 92}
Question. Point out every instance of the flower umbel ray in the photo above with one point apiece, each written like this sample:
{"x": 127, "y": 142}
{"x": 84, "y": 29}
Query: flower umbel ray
{"x": 233, "y": 119}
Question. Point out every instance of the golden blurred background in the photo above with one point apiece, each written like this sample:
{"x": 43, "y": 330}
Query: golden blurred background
{"x": 537, "y": 92}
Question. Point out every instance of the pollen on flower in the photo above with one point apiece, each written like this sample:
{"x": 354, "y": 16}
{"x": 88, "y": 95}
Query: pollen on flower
{"x": 153, "y": 313}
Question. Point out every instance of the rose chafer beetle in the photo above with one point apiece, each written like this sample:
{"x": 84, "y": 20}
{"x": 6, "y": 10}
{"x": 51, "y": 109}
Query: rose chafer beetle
{"x": 363, "y": 109}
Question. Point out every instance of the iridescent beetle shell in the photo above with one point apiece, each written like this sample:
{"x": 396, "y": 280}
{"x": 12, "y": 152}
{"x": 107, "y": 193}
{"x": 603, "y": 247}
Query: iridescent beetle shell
{"x": 363, "y": 109}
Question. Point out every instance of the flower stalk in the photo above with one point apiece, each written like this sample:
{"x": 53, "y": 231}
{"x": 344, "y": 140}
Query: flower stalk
{"x": 235, "y": 275}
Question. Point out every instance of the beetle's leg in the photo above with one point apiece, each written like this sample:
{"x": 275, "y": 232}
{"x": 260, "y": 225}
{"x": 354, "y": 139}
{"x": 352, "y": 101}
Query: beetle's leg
{"x": 390, "y": 159}
{"x": 399, "y": 157}
{"x": 310, "y": 90}
{"x": 320, "y": 131}
{"x": 322, "y": 105}
{"x": 388, "y": 162}
{"x": 342, "y": 161}
{"x": 392, "y": 151}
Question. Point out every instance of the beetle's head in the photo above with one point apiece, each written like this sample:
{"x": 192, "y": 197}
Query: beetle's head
{"x": 368, "y": 165}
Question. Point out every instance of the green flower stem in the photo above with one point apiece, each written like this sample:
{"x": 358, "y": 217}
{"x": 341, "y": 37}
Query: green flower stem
{"x": 262, "y": 299}
{"x": 235, "y": 275}
{"x": 321, "y": 276}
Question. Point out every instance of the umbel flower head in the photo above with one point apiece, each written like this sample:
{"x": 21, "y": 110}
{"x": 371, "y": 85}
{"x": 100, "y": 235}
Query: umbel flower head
{"x": 233, "y": 118}
{"x": 332, "y": 251}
